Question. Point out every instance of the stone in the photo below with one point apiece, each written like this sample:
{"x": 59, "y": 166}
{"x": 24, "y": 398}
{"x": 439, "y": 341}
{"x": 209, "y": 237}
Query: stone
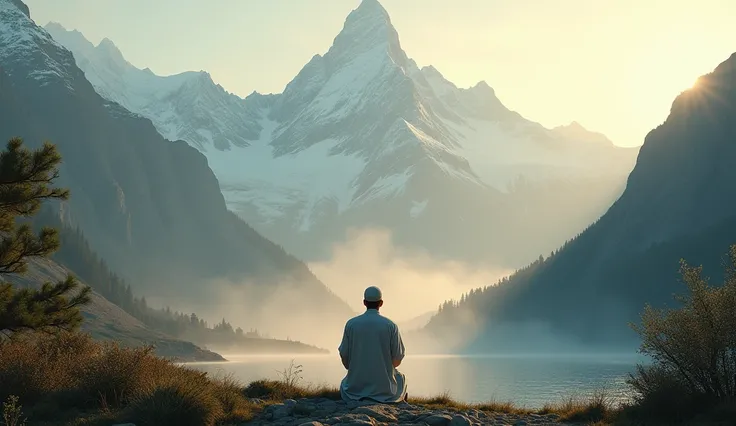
{"x": 355, "y": 404}
{"x": 377, "y": 412}
{"x": 303, "y": 408}
{"x": 280, "y": 413}
{"x": 437, "y": 420}
{"x": 324, "y": 412}
{"x": 406, "y": 416}
{"x": 356, "y": 420}
{"x": 459, "y": 420}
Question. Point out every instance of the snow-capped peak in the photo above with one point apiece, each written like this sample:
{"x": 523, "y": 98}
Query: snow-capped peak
{"x": 187, "y": 106}
{"x": 18, "y": 4}
{"x": 577, "y": 133}
{"x": 25, "y": 48}
{"x": 360, "y": 132}
{"x": 366, "y": 29}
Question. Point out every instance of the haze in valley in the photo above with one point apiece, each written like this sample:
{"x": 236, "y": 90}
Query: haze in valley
{"x": 490, "y": 135}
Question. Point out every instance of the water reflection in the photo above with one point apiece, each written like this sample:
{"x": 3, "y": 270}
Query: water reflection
{"x": 527, "y": 380}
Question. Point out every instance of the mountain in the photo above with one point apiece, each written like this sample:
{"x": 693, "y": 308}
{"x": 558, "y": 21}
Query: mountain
{"x": 365, "y": 138}
{"x": 151, "y": 208}
{"x": 106, "y": 321}
{"x": 417, "y": 322}
{"x": 680, "y": 202}
{"x": 187, "y": 106}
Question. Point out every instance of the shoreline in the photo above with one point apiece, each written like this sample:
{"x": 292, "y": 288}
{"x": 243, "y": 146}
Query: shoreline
{"x": 285, "y": 405}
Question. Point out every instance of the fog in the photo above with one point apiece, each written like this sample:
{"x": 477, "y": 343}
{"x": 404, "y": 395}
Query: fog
{"x": 412, "y": 281}
{"x": 414, "y": 284}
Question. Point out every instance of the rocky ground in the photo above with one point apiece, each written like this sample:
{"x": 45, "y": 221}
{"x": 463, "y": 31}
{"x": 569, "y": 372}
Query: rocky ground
{"x": 316, "y": 412}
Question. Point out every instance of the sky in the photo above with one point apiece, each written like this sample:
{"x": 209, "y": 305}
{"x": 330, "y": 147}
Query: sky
{"x": 614, "y": 66}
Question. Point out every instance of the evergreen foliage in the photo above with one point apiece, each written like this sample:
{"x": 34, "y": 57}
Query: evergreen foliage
{"x": 26, "y": 181}
{"x": 76, "y": 254}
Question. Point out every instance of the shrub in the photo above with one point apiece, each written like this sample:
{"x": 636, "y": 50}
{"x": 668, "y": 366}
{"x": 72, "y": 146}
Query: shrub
{"x": 69, "y": 376}
{"x": 597, "y": 407}
{"x": 180, "y": 404}
{"x": 36, "y": 366}
{"x": 693, "y": 349}
{"x": 12, "y": 413}
{"x": 115, "y": 376}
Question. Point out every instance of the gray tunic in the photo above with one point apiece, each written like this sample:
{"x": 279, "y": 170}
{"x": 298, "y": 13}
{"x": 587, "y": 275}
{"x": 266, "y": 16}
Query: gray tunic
{"x": 370, "y": 344}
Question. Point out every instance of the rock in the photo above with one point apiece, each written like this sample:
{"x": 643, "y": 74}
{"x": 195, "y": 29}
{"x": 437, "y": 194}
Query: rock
{"x": 324, "y": 412}
{"x": 377, "y": 412}
{"x": 438, "y": 420}
{"x": 458, "y": 420}
{"x": 303, "y": 408}
{"x": 355, "y": 404}
{"x": 280, "y": 413}
{"x": 357, "y": 420}
{"x": 407, "y": 416}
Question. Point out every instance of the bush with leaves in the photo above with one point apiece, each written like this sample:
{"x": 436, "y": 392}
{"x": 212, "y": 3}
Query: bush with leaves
{"x": 12, "y": 413}
{"x": 693, "y": 347}
{"x": 26, "y": 181}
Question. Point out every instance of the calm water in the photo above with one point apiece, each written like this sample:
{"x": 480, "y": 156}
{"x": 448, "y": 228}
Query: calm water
{"x": 528, "y": 381}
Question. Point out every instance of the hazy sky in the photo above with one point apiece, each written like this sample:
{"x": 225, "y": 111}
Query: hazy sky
{"x": 613, "y": 65}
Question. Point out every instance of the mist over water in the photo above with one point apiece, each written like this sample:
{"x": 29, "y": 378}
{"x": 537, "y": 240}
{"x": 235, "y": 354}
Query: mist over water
{"x": 413, "y": 282}
{"x": 527, "y": 380}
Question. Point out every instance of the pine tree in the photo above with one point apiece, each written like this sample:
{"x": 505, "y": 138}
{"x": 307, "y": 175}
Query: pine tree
{"x": 26, "y": 178}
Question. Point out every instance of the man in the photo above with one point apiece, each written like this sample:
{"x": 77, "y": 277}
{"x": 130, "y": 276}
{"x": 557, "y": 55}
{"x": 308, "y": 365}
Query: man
{"x": 371, "y": 349}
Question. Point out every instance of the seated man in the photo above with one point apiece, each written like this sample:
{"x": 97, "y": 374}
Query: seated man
{"x": 371, "y": 349}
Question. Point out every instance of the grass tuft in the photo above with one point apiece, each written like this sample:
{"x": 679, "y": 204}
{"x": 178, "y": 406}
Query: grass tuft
{"x": 596, "y": 408}
{"x": 274, "y": 390}
{"x": 70, "y": 378}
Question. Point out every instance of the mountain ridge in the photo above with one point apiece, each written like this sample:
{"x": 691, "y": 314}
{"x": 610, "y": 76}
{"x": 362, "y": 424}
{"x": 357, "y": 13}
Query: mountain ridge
{"x": 152, "y": 208}
{"x": 364, "y": 138}
{"x": 679, "y": 203}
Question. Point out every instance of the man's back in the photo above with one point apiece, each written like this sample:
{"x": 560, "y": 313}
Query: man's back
{"x": 371, "y": 344}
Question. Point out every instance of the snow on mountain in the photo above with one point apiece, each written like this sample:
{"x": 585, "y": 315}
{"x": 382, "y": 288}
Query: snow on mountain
{"x": 187, "y": 106}
{"x": 152, "y": 208}
{"x": 365, "y": 137}
{"x": 22, "y": 41}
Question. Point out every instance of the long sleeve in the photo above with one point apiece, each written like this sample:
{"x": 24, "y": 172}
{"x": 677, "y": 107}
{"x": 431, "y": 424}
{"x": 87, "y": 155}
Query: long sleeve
{"x": 344, "y": 348}
{"x": 397, "y": 345}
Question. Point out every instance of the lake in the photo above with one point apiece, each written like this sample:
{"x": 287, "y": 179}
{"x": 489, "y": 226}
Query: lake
{"x": 527, "y": 380}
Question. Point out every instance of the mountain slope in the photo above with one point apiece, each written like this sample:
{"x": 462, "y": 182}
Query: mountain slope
{"x": 187, "y": 106}
{"x": 680, "y": 202}
{"x": 152, "y": 208}
{"x": 105, "y": 321}
{"x": 364, "y": 138}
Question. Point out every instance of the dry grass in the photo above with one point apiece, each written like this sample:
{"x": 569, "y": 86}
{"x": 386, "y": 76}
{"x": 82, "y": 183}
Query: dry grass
{"x": 597, "y": 408}
{"x": 273, "y": 390}
{"x": 445, "y": 401}
{"x": 72, "y": 378}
